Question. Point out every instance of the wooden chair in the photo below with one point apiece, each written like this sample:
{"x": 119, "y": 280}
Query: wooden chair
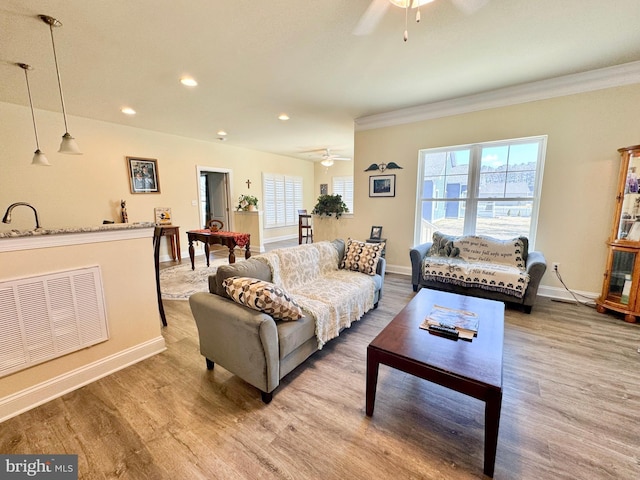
{"x": 157, "y": 236}
{"x": 305, "y": 230}
{"x": 214, "y": 225}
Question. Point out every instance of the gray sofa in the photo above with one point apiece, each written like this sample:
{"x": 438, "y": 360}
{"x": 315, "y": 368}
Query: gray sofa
{"x": 250, "y": 343}
{"x": 535, "y": 263}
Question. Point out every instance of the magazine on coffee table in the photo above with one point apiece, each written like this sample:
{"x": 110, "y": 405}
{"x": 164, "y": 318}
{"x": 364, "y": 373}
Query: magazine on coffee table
{"x": 465, "y": 322}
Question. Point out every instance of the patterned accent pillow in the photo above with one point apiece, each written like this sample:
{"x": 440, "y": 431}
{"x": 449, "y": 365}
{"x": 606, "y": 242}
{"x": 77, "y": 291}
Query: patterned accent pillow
{"x": 262, "y": 296}
{"x": 361, "y": 256}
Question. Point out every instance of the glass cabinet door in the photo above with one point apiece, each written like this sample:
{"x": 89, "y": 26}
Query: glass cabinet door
{"x": 621, "y": 275}
{"x": 629, "y": 222}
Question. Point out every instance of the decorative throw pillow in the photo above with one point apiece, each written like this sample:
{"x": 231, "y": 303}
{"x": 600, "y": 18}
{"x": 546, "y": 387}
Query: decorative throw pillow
{"x": 262, "y": 296}
{"x": 443, "y": 246}
{"x": 362, "y": 257}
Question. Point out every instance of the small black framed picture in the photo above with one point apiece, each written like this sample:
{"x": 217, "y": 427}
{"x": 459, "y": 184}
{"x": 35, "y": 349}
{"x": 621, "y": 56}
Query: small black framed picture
{"x": 376, "y": 233}
{"x": 382, "y": 186}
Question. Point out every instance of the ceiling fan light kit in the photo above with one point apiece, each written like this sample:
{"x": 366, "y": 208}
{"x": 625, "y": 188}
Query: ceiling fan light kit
{"x": 377, "y": 8}
{"x": 414, "y": 3}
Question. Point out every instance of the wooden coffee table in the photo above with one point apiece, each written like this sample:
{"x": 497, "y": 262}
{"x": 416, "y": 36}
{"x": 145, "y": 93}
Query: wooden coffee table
{"x": 473, "y": 368}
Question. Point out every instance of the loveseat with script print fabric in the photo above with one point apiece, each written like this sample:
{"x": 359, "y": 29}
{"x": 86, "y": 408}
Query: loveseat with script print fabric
{"x": 479, "y": 266}
{"x": 264, "y": 316}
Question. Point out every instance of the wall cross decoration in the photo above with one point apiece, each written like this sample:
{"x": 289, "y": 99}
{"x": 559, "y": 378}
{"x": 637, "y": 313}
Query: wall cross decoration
{"x": 248, "y": 182}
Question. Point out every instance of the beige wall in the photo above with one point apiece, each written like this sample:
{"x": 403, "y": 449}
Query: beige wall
{"x": 85, "y": 190}
{"x": 580, "y": 174}
{"x": 130, "y": 298}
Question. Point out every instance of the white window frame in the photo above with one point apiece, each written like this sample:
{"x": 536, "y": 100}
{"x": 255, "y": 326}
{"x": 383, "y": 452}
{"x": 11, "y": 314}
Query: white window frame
{"x": 472, "y": 199}
{"x": 343, "y": 186}
{"x": 282, "y": 198}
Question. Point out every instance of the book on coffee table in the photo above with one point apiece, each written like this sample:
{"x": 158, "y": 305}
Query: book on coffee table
{"x": 465, "y": 322}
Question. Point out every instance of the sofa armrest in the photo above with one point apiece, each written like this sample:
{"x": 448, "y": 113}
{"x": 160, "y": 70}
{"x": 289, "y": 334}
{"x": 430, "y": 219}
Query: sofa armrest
{"x": 382, "y": 267}
{"x": 536, "y": 266}
{"x": 416, "y": 254}
{"x": 242, "y": 340}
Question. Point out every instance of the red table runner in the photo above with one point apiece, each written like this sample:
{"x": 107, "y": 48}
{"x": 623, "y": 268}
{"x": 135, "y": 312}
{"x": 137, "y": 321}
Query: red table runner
{"x": 241, "y": 239}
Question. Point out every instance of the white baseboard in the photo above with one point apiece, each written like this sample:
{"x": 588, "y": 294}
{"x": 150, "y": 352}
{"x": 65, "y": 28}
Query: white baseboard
{"x": 399, "y": 269}
{"x": 17, "y": 403}
{"x": 562, "y": 294}
{"x": 280, "y": 238}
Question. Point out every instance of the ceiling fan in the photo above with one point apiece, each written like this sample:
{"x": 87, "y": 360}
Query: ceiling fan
{"x": 328, "y": 158}
{"x": 377, "y": 8}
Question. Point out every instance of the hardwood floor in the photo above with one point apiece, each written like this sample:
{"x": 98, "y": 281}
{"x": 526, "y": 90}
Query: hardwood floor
{"x": 571, "y": 410}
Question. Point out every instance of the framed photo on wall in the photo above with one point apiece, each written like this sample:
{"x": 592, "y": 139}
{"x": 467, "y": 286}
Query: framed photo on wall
{"x": 324, "y": 188}
{"x": 143, "y": 175}
{"x": 382, "y": 186}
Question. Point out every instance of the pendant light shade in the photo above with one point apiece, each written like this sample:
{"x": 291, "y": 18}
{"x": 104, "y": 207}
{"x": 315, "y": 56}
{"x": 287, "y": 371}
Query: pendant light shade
{"x": 38, "y": 157}
{"x": 68, "y": 144}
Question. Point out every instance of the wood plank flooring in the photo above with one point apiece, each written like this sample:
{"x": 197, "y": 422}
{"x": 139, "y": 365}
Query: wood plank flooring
{"x": 571, "y": 410}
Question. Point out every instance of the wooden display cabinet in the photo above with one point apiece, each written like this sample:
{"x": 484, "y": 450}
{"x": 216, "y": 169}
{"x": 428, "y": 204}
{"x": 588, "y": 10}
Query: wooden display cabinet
{"x": 621, "y": 285}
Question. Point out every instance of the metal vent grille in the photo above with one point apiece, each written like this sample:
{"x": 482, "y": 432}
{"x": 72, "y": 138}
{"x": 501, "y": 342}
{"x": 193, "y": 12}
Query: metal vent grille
{"x": 49, "y": 316}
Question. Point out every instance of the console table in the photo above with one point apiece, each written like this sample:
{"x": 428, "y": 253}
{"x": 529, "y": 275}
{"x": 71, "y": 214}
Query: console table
{"x": 173, "y": 232}
{"x": 227, "y": 239}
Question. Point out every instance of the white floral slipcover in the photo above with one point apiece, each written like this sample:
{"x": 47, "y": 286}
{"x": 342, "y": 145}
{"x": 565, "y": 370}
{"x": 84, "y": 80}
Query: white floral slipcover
{"x": 309, "y": 273}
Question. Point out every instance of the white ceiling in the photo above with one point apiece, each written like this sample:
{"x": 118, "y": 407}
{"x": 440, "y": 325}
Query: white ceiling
{"x": 254, "y": 59}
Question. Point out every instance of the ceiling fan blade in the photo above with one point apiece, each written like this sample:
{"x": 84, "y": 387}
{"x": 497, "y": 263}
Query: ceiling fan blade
{"x": 469, "y": 7}
{"x": 371, "y": 17}
{"x": 340, "y": 158}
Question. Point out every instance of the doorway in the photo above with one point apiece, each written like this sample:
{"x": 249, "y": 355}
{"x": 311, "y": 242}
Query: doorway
{"x": 214, "y": 193}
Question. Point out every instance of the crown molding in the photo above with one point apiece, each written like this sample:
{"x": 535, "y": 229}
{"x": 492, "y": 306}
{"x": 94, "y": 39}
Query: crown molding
{"x": 616, "y": 76}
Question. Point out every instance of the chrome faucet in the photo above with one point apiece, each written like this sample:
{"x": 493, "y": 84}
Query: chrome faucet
{"x": 7, "y": 215}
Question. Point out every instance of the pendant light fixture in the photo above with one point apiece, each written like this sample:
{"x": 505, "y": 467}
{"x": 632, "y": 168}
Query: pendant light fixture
{"x": 38, "y": 157}
{"x": 68, "y": 144}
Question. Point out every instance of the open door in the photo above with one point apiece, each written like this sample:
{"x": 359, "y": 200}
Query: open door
{"x": 214, "y": 196}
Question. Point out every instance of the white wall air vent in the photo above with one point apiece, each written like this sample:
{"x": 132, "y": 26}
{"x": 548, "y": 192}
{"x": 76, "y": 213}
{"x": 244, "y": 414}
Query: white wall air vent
{"x": 48, "y": 316}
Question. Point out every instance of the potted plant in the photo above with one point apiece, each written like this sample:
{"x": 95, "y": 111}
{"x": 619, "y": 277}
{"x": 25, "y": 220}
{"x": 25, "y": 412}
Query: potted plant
{"x": 247, "y": 203}
{"x": 329, "y": 205}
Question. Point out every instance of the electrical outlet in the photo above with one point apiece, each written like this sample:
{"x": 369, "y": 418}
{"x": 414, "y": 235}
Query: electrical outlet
{"x": 555, "y": 266}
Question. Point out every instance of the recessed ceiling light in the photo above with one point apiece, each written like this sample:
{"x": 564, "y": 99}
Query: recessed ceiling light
{"x": 188, "y": 81}
{"x": 222, "y": 133}
{"x": 128, "y": 111}
{"x": 283, "y": 117}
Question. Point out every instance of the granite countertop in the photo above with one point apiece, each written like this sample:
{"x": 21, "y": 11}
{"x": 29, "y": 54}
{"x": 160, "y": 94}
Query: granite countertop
{"x": 57, "y": 231}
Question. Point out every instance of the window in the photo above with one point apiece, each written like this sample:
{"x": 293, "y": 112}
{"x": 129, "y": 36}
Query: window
{"x": 282, "y": 199}
{"x": 483, "y": 189}
{"x": 343, "y": 186}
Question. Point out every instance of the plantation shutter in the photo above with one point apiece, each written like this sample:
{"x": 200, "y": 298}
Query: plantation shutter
{"x": 343, "y": 186}
{"x": 282, "y": 199}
